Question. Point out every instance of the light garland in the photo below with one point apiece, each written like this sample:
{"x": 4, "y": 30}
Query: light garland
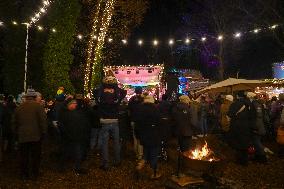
{"x": 94, "y": 52}
{"x": 202, "y": 39}
{"x": 38, "y": 14}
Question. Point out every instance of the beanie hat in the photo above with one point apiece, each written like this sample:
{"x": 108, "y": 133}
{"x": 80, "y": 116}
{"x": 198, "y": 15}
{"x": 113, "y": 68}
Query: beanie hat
{"x": 149, "y": 99}
{"x": 109, "y": 80}
{"x": 138, "y": 90}
{"x": 251, "y": 95}
{"x": 281, "y": 96}
{"x": 229, "y": 98}
{"x": 31, "y": 93}
{"x": 184, "y": 99}
{"x": 70, "y": 101}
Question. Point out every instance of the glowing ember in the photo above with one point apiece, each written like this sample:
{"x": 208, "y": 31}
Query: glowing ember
{"x": 201, "y": 154}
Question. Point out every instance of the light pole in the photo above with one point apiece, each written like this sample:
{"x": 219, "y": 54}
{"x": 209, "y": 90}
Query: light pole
{"x": 26, "y": 56}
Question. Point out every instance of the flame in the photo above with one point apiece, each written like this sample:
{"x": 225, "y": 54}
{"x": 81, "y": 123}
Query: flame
{"x": 200, "y": 154}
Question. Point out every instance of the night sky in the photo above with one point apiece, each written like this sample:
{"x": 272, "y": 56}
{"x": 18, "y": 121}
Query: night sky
{"x": 251, "y": 56}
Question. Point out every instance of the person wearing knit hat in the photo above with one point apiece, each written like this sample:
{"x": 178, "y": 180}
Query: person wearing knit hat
{"x": 182, "y": 120}
{"x": 241, "y": 126}
{"x": 31, "y": 125}
{"x": 229, "y": 98}
{"x": 224, "y": 120}
{"x": 149, "y": 99}
{"x": 251, "y": 95}
{"x": 184, "y": 99}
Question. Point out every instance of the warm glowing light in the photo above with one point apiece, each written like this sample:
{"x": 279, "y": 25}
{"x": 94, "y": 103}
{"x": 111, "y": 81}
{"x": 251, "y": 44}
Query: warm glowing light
{"x": 15, "y": 23}
{"x": 274, "y": 26}
{"x": 220, "y": 38}
{"x": 140, "y": 42}
{"x": 237, "y": 35}
{"x": 40, "y": 28}
{"x": 187, "y": 40}
{"x": 80, "y": 36}
{"x": 256, "y": 30}
{"x": 203, "y": 39}
{"x": 124, "y": 41}
{"x": 42, "y": 10}
{"x": 110, "y": 40}
{"x": 171, "y": 42}
{"x": 155, "y": 42}
{"x": 1, "y": 23}
{"x": 95, "y": 37}
{"x": 53, "y": 30}
{"x": 46, "y": 2}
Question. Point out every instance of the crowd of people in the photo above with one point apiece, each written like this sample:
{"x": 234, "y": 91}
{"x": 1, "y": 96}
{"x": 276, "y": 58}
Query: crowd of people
{"x": 80, "y": 125}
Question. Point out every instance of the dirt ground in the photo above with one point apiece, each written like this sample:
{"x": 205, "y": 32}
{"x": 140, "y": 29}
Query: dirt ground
{"x": 255, "y": 175}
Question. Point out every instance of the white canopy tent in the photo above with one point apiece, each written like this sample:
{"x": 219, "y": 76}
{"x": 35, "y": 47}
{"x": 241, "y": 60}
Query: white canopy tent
{"x": 232, "y": 84}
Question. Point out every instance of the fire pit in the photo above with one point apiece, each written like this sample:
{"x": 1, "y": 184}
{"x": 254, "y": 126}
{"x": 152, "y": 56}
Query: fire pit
{"x": 202, "y": 160}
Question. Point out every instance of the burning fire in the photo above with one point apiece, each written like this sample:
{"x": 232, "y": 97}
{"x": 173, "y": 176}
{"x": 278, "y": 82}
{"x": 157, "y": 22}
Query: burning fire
{"x": 202, "y": 154}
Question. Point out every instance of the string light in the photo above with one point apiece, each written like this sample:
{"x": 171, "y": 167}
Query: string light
{"x": 256, "y": 30}
{"x": 1, "y": 23}
{"x": 274, "y": 26}
{"x": 124, "y": 41}
{"x": 15, "y": 23}
{"x": 42, "y": 10}
{"x": 97, "y": 53}
{"x": 237, "y": 35}
{"x": 155, "y": 42}
{"x": 110, "y": 40}
{"x": 220, "y": 38}
{"x": 38, "y": 14}
{"x": 171, "y": 42}
{"x": 94, "y": 37}
{"x": 80, "y": 36}
{"x": 53, "y": 30}
{"x": 40, "y": 28}
{"x": 187, "y": 40}
{"x": 203, "y": 39}
{"x": 140, "y": 42}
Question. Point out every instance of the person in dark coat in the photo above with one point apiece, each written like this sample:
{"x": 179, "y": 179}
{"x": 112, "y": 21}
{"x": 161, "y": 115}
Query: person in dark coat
{"x": 165, "y": 108}
{"x": 150, "y": 133}
{"x": 183, "y": 130}
{"x": 133, "y": 105}
{"x": 258, "y": 127}
{"x": 30, "y": 126}
{"x": 108, "y": 97}
{"x": 241, "y": 125}
{"x": 7, "y": 123}
{"x": 75, "y": 132}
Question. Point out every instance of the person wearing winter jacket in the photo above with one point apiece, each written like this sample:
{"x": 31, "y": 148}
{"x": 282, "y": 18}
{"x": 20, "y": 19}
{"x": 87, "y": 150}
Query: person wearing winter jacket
{"x": 30, "y": 127}
{"x": 108, "y": 97}
{"x": 258, "y": 127}
{"x": 182, "y": 120}
{"x": 148, "y": 125}
{"x": 241, "y": 125}
{"x": 75, "y": 130}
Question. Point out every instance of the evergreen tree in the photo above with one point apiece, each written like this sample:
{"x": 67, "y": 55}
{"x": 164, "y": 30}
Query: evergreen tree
{"x": 57, "y": 56}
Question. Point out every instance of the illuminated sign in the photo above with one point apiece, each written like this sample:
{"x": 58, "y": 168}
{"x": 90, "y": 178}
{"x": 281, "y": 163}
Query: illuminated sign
{"x": 278, "y": 70}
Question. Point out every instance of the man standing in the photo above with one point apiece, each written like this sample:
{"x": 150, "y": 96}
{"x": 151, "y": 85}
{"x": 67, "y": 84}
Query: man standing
{"x": 240, "y": 127}
{"x": 108, "y": 98}
{"x": 30, "y": 126}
